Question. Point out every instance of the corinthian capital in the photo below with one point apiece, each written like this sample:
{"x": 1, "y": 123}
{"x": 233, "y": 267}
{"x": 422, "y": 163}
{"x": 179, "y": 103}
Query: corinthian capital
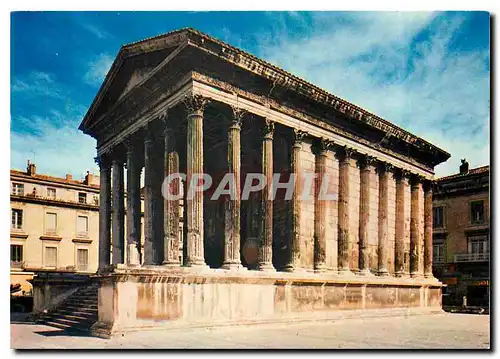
{"x": 268, "y": 128}
{"x": 321, "y": 145}
{"x": 298, "y": 135}
{"x": 195, "y": 104}
{"x": 345, "y": 153}
{"x": 238, "y": 115}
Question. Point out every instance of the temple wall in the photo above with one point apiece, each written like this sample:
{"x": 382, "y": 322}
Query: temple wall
{"x": 332, "y": 169}
{"x": 168, "y": 300}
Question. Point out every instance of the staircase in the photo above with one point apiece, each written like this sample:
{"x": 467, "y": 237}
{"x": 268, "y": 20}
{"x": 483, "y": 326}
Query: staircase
{"x": 77, "y": 313}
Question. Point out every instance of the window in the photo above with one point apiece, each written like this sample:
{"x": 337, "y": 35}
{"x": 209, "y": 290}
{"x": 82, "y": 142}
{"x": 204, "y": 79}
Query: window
{"x": 51, "y": 257}
{"x": 82, "y": 259}
{"x": 478, "y": 245}
{"x": 51, "y": 193}
{"x": 18, "y": 189}
{"x": 438, "y": 255}
{"x": 16, "y": 255}
{"x": 438, "y": 217}
{"x": 17, "y": 219}
{"x": 82, "y": 197}
{"x": 82, "y": 226}
{"x": 50, "y": 223}
{"x": 477, "y": 212}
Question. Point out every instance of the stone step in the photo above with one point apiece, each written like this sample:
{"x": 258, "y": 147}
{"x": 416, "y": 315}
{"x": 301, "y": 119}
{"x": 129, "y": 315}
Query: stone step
{"x": 79, "y": 302}
{"x": 71, "y": 322}
{"x": 80, "y": 308}
{"x": 76, "y": 314}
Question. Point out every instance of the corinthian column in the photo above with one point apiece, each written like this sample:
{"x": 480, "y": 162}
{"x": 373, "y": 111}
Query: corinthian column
{"x": 195, "y": 105}
{"x": 344, "y": 155}
{"x": 428, "y": 230}
{"x": 104, "y": 212}
{"x": 320, "y": 149}
{"x": 366, "y": 170}
{"x": 294, "y": 257}
{"x": 233, "y": 204}
{"x": 149, "y": 207}
{"x": 118, "y": 212}
{"x": 171, "y": 206}
{"x": 399, "y": 255}
{"x": 266, "y": 226}
{"x": 415, "y": 235}
{"x": 133, "y": 205}
{"x": 383, "y": 219}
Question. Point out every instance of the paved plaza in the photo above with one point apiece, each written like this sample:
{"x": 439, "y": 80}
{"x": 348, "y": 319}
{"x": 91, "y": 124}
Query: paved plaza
{"x": 438, "y": 331}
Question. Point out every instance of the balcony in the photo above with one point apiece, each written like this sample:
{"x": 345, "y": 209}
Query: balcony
{"x": 472, "y": 257}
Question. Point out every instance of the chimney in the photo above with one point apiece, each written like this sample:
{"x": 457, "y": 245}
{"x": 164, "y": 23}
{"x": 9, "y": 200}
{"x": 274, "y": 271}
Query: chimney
{"x": 31, "y": 169}
{"x": 464, "y": 167}
{"x": 91, "y": 179}
{"x": 69, "y": 177}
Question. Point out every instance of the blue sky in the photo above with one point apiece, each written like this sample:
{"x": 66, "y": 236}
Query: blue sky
{"x": 426, "y": 72}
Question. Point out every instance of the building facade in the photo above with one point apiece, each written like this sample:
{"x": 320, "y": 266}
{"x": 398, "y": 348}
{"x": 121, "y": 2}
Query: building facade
{"x": 187, "y": 103}
{"x": 461, "y": 240}
{"x": 54, "y": 224}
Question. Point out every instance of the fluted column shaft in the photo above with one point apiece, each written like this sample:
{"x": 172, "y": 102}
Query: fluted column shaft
{"x": 401, "y": 203}
{"x": 428, "y": 230}
{"x": 118, "y": 213}
{"x": 415, "y": 235}
{"x": 133, "y": 207}
{"x": 266, "y": 227}
{"x": 383, "y": 219}
{"x": 344, "y": 155}
{"x": 104, "y": 213}
{"x": 171, "y": 206}
{"x": 149, "y": 236}
{"x": 194, "y": 200}
{"x": 233, "y": 205}
{"x": 295, "y": 245}
{"x": 320, "y": 149}
{"x": 366, "y": 171}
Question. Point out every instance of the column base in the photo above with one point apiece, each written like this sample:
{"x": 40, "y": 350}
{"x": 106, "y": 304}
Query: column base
{"x": 197, "y": 265}
{"x": 233, "y": 266}
{"x": 133, "y": 255}
{"x": 266, "y": 267}
{"x": 321, "y": 268}
{"x": 290, "y": 268}
{"x": 416, "y": 275}
{"x": 365, "y": 273}
{"x": 430, "y": 276}
{"x": 345, "y": 272}
{"x": 170, "y": 264}
{"x": 401, "y": 274}
{"x": 383, "y": 273}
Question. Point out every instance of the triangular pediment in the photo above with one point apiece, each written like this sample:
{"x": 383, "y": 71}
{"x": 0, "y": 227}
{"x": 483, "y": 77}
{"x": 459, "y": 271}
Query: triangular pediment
{"x": 133, "y": 64}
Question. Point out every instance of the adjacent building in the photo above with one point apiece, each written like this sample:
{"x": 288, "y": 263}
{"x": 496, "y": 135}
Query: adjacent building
{"x": 54, "y": 224}
{"x": 461, "y": 246}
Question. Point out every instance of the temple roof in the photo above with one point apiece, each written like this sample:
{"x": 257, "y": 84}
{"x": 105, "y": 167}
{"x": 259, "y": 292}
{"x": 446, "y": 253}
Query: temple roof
{"x": 249, "y": 62}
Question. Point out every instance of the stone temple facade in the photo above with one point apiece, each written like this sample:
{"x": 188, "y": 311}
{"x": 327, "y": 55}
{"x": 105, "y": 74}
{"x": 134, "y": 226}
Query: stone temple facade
{"x": 186, "y": 102}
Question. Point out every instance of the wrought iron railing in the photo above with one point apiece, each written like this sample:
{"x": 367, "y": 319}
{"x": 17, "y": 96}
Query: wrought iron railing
{"x": 472, "y": 257}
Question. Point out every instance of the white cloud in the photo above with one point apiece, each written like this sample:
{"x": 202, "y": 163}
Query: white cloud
{"x": 97, "y": 69}
{"x": 96, "y": 31}
{"x": 36, "y": 83}
{"x": 55, "y": 145}
{"x": 371, "y": 60}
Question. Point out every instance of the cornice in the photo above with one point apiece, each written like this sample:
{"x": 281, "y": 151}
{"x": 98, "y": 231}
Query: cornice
{"x": 274, "y": 105}
{"x": 53, "y": 202}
